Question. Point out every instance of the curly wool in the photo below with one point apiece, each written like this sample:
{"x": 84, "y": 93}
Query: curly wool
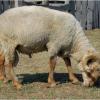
{"x": 35, "y": 29}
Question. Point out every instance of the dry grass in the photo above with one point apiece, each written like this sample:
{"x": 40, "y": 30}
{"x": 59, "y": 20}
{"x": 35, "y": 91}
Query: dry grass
{"x": 34, "y": 72}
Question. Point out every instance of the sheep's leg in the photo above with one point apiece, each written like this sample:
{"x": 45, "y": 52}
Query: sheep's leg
{"x": 72, "y": 77}
{"x": 2, "y": 59}
{"x": 52, "y": 64}
{"x": 2, "y": 77}
{"x": 11, "y": 75}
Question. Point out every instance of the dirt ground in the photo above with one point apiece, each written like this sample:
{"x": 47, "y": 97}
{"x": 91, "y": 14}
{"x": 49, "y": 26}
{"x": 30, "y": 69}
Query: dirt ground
{"x": 33, "y": 74}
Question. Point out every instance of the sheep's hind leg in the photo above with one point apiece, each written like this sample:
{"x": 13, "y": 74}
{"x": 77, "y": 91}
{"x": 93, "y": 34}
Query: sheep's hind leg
{"x": 72, "y": 77}
{"x": 2, "y": 67}
{"x": 52, "y": 64}
{"x": 10, "y": 75}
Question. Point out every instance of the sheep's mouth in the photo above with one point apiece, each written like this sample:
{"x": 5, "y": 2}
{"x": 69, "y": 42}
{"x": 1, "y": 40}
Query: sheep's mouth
{"x": 94, "y": 70}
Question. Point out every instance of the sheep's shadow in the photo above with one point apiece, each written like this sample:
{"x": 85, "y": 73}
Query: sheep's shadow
{"x": 42, "y": 77}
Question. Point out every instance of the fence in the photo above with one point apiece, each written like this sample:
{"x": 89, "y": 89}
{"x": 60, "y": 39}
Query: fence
{"x": 87, "y": 12}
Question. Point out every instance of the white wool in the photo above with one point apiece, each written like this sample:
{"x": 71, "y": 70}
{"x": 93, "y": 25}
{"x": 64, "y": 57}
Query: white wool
{"x": 35, "y": 29}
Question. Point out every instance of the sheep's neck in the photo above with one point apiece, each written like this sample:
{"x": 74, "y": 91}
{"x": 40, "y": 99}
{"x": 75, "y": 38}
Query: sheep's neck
{"x": 81, "y": 43}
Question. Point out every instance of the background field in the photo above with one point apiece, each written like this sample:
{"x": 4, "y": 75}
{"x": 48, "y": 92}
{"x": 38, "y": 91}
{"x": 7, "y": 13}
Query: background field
{"x": 34, "y": 72}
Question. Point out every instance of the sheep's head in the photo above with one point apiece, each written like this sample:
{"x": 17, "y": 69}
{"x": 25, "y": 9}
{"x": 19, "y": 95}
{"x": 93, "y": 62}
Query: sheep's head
{"x": 90, "y": 66}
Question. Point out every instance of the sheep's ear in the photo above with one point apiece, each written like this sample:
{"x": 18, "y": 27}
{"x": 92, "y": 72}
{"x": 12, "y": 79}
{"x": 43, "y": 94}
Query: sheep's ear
{"x": 96, "y": 55}
{"x": 76, "y": 56}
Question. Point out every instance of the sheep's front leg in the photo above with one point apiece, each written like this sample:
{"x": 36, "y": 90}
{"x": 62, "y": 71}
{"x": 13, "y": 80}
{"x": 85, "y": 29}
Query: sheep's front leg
{"x": 72, "y": 77}
{"x": 2, "y": 59}
{"x": 10, "y": 75}
{"x": 52, "y": 64}
{"x": 2, "y": 77}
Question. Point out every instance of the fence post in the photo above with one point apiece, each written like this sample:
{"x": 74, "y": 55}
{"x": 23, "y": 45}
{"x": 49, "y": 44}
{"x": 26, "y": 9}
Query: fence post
{"x": 95, "y": 15}
{"x": 6, "y": 5}
{"x": 99, "y": 14}
{"x": 1, "y": 7}
{"x": 84, "y": 14}
{"x": 90, "y": 14}
{"x": 45, "y": 2}
{"x": 67, "y": 1}
{"x": 78, "y": 8}
{"x": 20, "y": 2}
{"x": 71, "y": 8}
{"x": 16, "y": 3}
{"x": 12, "y": 4}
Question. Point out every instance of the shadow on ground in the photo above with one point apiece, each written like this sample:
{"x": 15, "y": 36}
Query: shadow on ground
{"x": 42, "y": 77}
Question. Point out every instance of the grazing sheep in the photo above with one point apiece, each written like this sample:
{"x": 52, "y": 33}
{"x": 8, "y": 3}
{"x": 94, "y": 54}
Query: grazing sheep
{"x": 34, "y": 29}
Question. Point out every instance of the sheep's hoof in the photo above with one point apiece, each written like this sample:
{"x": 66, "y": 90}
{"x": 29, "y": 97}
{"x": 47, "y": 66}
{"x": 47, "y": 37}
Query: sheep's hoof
{"x": 51, "y": 85}
{"x": 75, "y": 81}
{"x": 17, "y": 85}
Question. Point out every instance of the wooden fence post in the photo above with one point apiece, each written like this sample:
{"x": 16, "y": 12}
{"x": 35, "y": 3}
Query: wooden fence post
{"x": 98, "y": 14}
{"x": 16, "y": 3}
{"x": 6, "y": 5}
{"x": 71, "y": 8}
{"x": 95, "y": 15}
{"x": 12, "y": 4}
{"x": 45, "y": 2}
{"x": 78, "y": 8}
{"x": 20, "y": 2}
{"x": 1, "y": 7}
{"x": 84, "y": 14}
{"x": 90, "y": 9}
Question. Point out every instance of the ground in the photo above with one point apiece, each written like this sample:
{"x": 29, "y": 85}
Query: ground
{"x": 33, "y": 74}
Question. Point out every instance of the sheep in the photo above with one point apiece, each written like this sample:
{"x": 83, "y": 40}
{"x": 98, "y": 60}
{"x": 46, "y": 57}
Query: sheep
{"x": 35, "y": 29}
